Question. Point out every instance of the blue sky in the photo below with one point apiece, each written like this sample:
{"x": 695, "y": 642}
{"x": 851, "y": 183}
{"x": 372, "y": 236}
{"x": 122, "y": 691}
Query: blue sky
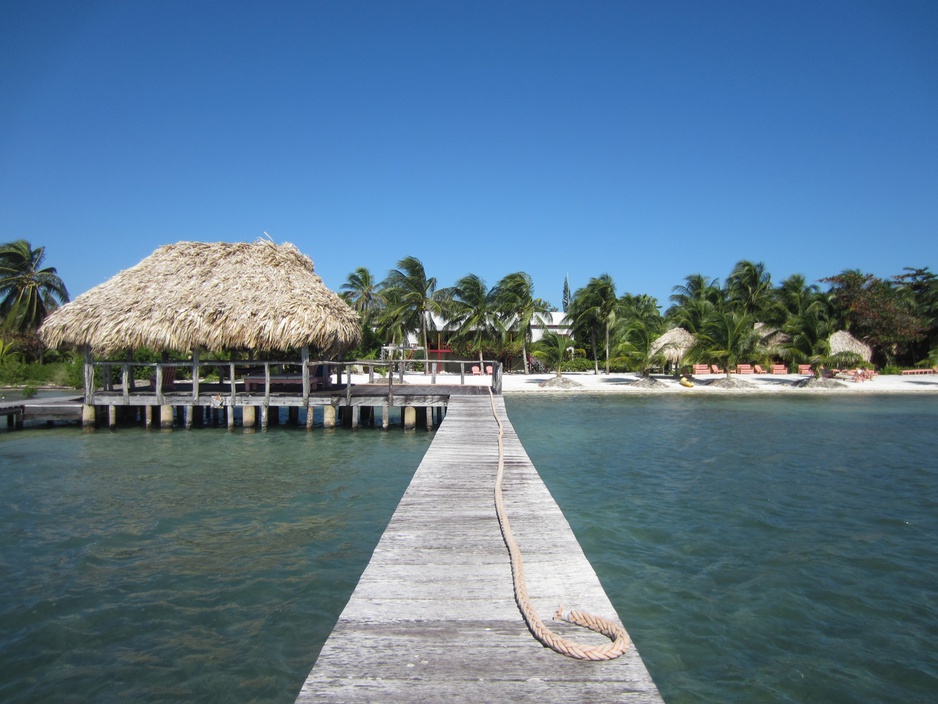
{"x": 646, "y": 140}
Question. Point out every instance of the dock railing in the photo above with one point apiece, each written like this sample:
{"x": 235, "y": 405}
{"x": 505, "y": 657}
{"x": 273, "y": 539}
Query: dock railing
{"x": 248, "y": 376}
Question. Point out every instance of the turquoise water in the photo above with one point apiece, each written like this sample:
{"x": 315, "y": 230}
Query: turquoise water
{"x": 758, "y": 550}
{"x": 187, "y": 566}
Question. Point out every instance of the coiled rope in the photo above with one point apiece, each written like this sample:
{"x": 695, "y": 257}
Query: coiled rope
{"x": 619, "y": 638}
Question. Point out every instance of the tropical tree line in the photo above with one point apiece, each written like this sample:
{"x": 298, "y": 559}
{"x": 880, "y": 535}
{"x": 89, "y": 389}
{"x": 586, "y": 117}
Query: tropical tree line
{"x": 478, "y": 320}
{"x": 746, "y": 319}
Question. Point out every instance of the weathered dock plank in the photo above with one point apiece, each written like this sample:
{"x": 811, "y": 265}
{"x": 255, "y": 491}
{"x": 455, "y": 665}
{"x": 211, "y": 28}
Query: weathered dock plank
{"x": 433, "y": 617}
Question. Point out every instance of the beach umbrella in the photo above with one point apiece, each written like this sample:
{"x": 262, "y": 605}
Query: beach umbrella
{"x": 215, "y": 296}
{"x": 842, "y": 341}
{"x": 673, "y": 344}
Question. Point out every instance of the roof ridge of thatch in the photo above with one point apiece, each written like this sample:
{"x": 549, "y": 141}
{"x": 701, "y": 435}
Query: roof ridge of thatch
{"x": 211, "y": 295}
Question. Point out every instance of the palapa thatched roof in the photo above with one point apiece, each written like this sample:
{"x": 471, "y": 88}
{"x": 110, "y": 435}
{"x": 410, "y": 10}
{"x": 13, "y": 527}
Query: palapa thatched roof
{"x": 673, "y": 344}
{"x": 215, "y": 296}
{"x": 843, "y": 341}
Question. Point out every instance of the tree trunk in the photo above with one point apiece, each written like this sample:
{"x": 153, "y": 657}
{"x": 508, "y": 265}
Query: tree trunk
{"x": 524, "y": 354}
{"x": 607, "y": 347}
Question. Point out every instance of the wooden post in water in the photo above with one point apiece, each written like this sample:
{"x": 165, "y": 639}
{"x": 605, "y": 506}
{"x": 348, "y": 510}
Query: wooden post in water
{"x": 148, "y": 417}
{"x": 166, "y": 416}
{"x": 328, "y": 417}
{"x": 385, "y": 416}
{"x": 309, "y": 417}
{"x": 265, "y": 416}
{"x": 189, "y": 410}
{"x": 112, "y": 417}
{"x": 248, "y": 416}
{"x": 409, "y": 415}
{"x": 87, "y": 416}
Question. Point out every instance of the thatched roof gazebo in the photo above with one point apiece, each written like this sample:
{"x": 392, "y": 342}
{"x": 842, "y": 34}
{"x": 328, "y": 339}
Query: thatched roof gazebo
{"x": 214, "y": 296}
{"x": 843, "y": 342}
{"x": 673, "y": 344}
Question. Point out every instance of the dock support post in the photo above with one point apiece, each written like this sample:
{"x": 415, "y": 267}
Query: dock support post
{"x": 112, "y": 417}
{"x": 429, "y": 414}
{"x": 248, "y": 416}
{"x": 166, "y": 417}
{"x": 328, "y": 417}
{"x": 265, "y": 417}
{"x": 189, "y": 410}
{"x": 353, "y": 411}
{"x": 385, "y": 416}
{"x": 229, "y": 417}
{"x": 409, "y": 414}
{"x": 148, "y": 417}
{"x": 87, "y": 416}
{"x": 309, "y": 417}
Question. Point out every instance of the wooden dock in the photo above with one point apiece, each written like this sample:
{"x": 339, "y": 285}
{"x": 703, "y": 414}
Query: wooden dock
{"x": 433, "y": 618}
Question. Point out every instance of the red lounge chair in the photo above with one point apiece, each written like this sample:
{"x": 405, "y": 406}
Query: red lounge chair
{"x": 476, "y": 371}
{"x": 758, "y": 369}
{"x": 488, "y": 370}
{"x": 779, "y": 369}
{"x": 805, "y": 369}
{"x": 716, "y": 370}
{"x": 701, "y": 369}
{"x": 744, "y": 369}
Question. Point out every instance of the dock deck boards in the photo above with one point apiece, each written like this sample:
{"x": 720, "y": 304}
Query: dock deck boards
{"x": 433, "y": 618}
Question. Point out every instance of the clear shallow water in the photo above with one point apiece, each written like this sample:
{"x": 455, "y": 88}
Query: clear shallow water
{"x": 187, "y": 566}
{"x": 758, "y": 550}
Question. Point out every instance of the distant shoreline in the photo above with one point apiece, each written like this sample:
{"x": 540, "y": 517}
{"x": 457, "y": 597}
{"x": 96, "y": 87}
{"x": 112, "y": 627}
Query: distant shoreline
{"x": 763, "y": 384}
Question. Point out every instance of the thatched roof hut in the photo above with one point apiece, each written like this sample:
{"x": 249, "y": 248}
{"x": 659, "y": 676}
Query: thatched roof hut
{"x": 673, "y": 344}
{"x": 215, "y": 296}
{"x": 842, "y": 341}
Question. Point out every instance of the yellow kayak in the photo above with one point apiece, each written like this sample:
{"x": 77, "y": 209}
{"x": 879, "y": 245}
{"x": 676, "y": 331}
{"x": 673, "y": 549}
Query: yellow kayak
{"x": 687, "y": 382}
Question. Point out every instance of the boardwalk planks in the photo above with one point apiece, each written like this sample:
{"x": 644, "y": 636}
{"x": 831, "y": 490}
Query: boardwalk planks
{"x": 433, "y": 618}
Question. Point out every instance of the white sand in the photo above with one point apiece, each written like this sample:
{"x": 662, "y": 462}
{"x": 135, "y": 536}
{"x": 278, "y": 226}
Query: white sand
{"x": 622, "y": 384}
{"x": 762, "y": 383}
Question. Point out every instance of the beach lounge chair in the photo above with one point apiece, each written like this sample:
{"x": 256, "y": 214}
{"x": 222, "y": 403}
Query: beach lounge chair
{"x": 476, "y": 371}
{"x": 744, "y": 369}
{"x": 757, "y": 369}
{"x": 779, "y": 369}
{"x": 488, "y": 370}
{"x": 716, "y": 370}
{"x": 701, "y": 369}
{"x": 805, "y": 369}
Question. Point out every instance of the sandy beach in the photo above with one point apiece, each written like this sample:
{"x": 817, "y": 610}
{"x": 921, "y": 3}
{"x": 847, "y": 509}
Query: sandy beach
{"x": 624, "y": 383}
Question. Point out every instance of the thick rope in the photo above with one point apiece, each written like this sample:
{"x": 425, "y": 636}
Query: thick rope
{"x": 619, "y": 638}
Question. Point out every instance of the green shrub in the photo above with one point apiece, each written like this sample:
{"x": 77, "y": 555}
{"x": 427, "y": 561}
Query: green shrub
{"x": 891, "y": 369}
{"x": 578, "y": 365}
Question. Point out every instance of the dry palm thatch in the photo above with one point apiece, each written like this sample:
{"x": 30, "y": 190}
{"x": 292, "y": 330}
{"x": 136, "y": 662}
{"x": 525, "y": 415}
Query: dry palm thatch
{"x": 772, "y": 339}
{"x": 842, "y": 341}
{"x": 673, "y": 344}
{"x": 215, "y": 296}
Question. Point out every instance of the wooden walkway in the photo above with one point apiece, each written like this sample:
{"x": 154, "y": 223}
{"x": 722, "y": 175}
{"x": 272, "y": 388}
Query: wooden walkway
{"x": 433, "y": 618}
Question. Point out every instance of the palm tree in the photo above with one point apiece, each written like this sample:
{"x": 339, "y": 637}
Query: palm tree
{"x": 694, "y": 301}
{"x": 514, "y": 297}
{"x": 594, "y": 307}
{"x": 727, "y": 338}
{"x": 638, "y": 338}
{"x": 28, "y": 293}
{"x": 471, "y": 312}
{"x": 411, "y": 299}
{"x": 363, "y": 293}
{"x": 808, "y": 336}
{"x": 552, "y": 348}
{"x": 749, "y": 288}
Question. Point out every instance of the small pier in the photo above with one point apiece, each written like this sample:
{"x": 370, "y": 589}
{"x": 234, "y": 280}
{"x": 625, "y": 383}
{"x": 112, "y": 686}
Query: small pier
{"x": 433, "y": 618}
{"x": 253, "y": 394}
